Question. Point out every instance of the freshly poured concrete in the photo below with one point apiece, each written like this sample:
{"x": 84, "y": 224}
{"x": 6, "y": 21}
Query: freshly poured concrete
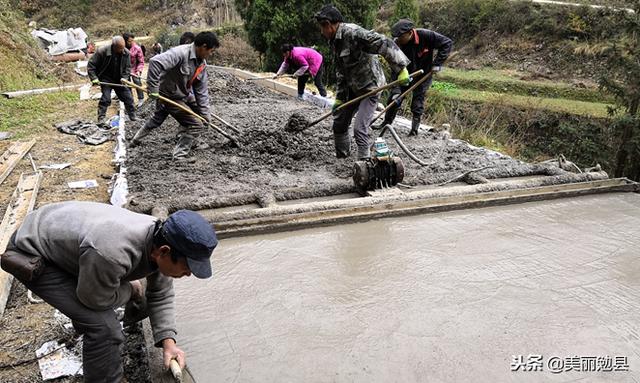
{"x": 437, "y": 298}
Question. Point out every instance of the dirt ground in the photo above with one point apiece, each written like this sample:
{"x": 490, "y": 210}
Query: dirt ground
{"x": 27, "y": 326}
{"x": 271, "y": 158}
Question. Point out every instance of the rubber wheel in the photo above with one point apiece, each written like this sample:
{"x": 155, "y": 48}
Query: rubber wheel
{"x": 361, "y": 177}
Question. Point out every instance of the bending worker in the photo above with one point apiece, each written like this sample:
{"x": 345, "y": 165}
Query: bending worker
{"x": 110, "y": 64}
{"x": 418, "y": 45}
{"x": 306, "y": 62}
{"x": 180, "y": 74}
{"x": 358, "y": 71}
{"x": 93, "y": 256}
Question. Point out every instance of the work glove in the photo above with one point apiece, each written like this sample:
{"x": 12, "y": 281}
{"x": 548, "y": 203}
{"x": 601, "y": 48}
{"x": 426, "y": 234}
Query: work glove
{"x": 404, "y": 78}
{"x": 436, "y": 69}
{"x": 396, "y": 99}
{"x": 154, "y": 95}
{"x": 335, "y": 106}
{"x": 95, "y": 82}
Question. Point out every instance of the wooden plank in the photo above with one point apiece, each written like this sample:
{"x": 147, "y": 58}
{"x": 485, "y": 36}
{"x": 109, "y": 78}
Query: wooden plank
{"x": 22, "y": 202}
{"x": 12, "y": 156}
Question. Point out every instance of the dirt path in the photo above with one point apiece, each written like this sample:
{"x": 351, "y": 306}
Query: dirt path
{"x": 27, "y": 326}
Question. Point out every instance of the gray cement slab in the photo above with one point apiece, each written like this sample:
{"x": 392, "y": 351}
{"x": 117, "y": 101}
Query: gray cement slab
{"x": 449, "y": 297}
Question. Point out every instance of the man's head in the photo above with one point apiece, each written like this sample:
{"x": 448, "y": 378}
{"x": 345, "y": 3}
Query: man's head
{"x": 402, "y": 31}
{"x": 205, "y": 43}
{"x": 329, "y": 19}
{"x": 183, "y": 245}
{"x": 286, "y": 50}
{"x": 128, "y": 39}
{"x": 117, "y": 45}
{"x": 187, "y": 38}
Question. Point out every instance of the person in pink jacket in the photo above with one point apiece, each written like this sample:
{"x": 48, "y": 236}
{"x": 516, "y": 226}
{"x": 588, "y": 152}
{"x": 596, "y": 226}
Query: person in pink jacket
{"x": 137, "y": 63}
{"x": 306, "y": 62}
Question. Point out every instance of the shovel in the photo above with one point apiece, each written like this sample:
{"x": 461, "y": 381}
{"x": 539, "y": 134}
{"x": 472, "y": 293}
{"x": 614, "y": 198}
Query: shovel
{"x": 402, "y": 96}
{"x": 228, "y": 125}
{"x": 357, "y": 99}
{"x": 187, "y": 110}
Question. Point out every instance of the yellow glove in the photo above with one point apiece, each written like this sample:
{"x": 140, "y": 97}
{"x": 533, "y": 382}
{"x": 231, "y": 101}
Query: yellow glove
{"x": 335, "y": 106}
{"x": 154, "y": 95}
{"x": 95, "y": 82}
{"x": 404, "y": 78}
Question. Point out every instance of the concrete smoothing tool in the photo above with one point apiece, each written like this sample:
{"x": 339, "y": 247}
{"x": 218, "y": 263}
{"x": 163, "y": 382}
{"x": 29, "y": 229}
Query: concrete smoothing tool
{"x": 382, "y": 170}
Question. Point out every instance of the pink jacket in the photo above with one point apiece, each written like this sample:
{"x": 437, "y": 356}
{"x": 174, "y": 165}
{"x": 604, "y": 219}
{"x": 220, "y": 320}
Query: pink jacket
{"x": 137, "y": 59}
{"x": 304, "y": 59}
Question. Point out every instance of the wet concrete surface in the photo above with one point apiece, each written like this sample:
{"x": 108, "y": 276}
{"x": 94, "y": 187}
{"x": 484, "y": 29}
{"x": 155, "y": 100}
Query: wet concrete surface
{"x": 272, "y": 158}
{"x": 448, "y": 297}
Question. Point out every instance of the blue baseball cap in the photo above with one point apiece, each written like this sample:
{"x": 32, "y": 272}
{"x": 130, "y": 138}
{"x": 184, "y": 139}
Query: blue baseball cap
{"x": 192, "y": 237}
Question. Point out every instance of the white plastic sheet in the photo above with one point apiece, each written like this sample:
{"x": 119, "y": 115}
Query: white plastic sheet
{"x": 58, "y": 42}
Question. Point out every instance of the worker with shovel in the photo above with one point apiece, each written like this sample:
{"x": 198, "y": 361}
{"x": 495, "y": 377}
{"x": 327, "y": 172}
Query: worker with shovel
{"x": 358, "y": 70}
{"x": 418, "y": 45}
{"x": 87, "y": 258}
{"x": 180, "y": 75}
{"x": 106, "y": 67}
{"x": 306, "y": 62}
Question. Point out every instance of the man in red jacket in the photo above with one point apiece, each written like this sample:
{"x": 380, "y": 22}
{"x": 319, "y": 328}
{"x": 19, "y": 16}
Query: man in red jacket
{"x": 137, "y": 63}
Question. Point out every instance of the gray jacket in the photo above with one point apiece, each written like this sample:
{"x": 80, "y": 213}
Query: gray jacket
{"x": 100, "y": 65}
{"x": 105, "y": 247}
{"x": 170, "y": 73}
{"x": 358, "y": 68}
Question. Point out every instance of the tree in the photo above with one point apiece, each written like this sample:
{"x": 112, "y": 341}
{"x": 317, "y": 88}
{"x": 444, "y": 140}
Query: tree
{"x": 271, "y": 23}
{"x": 404, "y": 9}
{"x": 621, "y": 77}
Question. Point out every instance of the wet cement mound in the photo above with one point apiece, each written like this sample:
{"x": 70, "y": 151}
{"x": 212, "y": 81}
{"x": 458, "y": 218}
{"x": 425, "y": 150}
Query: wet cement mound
{"x": 272, "y": 158}
{"x": 297, "y": 123}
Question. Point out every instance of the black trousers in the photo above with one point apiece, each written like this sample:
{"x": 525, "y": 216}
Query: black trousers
{"x": 124, "y": 95}
{"x": 417, "y": 100}
{"x": 317, "y": 80}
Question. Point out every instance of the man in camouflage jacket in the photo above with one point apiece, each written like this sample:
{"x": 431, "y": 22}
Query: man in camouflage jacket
{"x": 358, "y": 71}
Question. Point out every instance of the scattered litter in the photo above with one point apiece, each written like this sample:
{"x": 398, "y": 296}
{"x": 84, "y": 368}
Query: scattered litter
{"x": 87, "y": 132}
{"x": 56, "y": 166}
{"x": 83, "y": 184}
{"x": 5, "y": 135}
{"x": 56, "y": 360}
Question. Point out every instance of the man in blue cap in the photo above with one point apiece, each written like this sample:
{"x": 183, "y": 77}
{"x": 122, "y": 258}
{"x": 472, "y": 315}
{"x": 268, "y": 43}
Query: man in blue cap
{"x": 93, "y": 256}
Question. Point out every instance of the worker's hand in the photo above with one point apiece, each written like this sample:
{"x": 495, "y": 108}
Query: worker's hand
{"x": 436, "y": 69}
{"x": 396, "y": 99}
{"x": 171, "y": 351}
{"x": 276, "y": 76}
{"x": 137, "y": 291}
{"x": 403, "y": 77}
{"x": 336, "y": 105}
{"x": 95, "y": 82}
{"x": 154, "y": 95}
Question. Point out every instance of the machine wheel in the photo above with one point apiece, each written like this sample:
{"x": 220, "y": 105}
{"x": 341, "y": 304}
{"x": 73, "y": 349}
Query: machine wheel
{"x": 399, "y": 165}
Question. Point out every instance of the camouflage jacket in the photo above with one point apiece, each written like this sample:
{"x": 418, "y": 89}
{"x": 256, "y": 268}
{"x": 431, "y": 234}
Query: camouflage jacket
{"x": 358, "y": 69}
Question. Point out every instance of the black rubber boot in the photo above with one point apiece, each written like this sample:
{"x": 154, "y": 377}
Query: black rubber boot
{"x": 415, "y": 126}
{"x": 102, "y": 115}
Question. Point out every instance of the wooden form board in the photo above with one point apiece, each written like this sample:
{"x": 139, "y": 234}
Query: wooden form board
{"x": 12, "y": 156}
{"x": 22, "y": 202}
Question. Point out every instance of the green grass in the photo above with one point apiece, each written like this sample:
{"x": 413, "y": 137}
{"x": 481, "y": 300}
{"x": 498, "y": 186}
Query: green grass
{"x": 491, "y": 80}
{"x": 29, "y": 116}
{"x": 581, "y": 108}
